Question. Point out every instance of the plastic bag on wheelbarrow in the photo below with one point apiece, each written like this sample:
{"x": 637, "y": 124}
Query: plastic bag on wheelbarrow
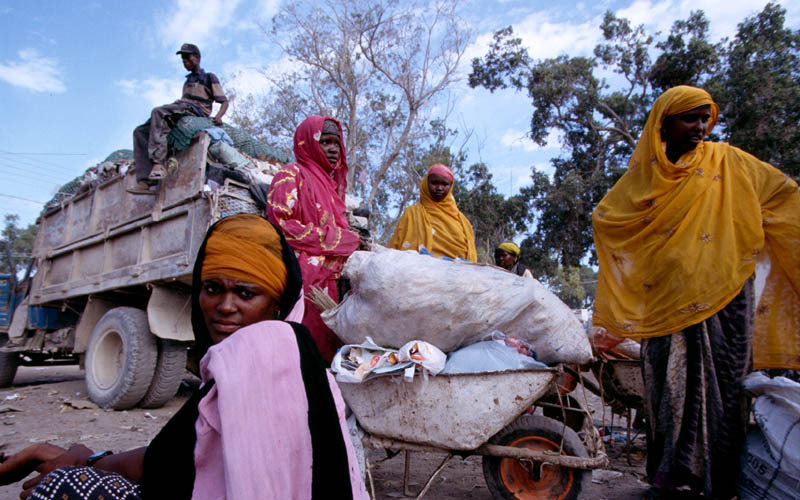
{"x": 400, "y": 296}
{"x": 492, "y": 355}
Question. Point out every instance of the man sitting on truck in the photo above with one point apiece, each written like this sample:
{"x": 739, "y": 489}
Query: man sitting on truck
{"x": 200, "y": 91}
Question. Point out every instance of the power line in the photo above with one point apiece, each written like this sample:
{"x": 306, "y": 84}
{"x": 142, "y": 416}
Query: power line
{"x": 20, "y": 198}
{"x": 31, "y": 175}
{"x": 23, "y": 180}
{"x": 48, "y": 154}
{"x": 39, "y": 164}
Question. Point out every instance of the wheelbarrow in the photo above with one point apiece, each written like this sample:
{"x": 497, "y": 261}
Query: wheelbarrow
{"x": 524, "y": 456}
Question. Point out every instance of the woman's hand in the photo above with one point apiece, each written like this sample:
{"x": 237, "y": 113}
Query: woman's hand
{"x": 42, "y": 458}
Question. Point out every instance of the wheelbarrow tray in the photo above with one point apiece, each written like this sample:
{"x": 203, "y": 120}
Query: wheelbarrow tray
{"x": 451, "y": 411}
{"x": 622, "y": 381}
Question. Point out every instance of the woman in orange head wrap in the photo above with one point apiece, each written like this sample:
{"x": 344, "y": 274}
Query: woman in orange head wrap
{"x": 435, "y": 222}
{"x": 268, "y": 421}
{"x": 678, "y": 239}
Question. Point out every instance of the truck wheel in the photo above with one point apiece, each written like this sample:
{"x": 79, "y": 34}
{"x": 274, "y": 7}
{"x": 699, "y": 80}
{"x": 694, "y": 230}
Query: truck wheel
{"x": 510, "y": 479}
{"x": 8, "y": 367}
{"x": 169, "y": 374}
{"x": 121, "y": 358}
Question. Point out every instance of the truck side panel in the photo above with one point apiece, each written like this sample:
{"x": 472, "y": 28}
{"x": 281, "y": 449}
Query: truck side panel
{"x": 108, "y": 238}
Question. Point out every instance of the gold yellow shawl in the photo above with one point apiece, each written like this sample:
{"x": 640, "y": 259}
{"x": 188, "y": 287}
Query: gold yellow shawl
{"x": 676, "y": 241}
{"x": 440, "y": 227}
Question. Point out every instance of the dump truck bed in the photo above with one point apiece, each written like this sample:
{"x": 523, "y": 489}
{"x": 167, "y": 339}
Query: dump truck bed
{"x": 108, "y": 238}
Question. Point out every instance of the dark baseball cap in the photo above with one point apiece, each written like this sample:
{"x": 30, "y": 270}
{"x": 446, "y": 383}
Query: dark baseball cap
{"x": 189, "y": 48}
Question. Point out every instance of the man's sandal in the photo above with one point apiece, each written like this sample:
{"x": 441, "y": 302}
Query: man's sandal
{"x": 158, "y": 172}
{"x": 141, "y": 187}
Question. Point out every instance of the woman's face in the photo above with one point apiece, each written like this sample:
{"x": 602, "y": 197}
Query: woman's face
{"x": 504, "y": 259}
{"x": 230, "y": 304}
{"x": 331, "y": 148}
{"x": 684, "y": 131}
{"x": 439, "y": 186}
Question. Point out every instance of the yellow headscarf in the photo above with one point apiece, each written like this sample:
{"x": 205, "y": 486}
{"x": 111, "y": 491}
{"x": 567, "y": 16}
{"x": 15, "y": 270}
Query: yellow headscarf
{"x": 677, "y": 241}
{"x": 440, "y": 227}
{"x": 509, "y": 247}
{"x": 246, "y": 247}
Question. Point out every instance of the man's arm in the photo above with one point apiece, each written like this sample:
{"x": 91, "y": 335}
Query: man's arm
{"x": 218, "y": 96}
{"x": 223, "y": 107}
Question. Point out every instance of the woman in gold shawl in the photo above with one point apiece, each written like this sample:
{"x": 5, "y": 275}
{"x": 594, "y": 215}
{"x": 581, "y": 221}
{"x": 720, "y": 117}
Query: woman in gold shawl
{"x": 435, "y": 222}
{"x": 679, "y": 238}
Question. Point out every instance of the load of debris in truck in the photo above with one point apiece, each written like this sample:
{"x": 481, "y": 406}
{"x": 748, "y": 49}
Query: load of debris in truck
{"x": 233, "y": 154}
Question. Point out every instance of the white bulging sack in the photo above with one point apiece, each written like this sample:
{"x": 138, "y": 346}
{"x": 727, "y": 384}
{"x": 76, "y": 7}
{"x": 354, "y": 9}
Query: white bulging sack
{"x": 399, "y": 296}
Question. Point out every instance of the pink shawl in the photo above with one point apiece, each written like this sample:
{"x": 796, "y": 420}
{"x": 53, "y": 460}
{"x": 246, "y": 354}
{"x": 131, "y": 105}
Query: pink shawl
{"x": 252, "y": 437}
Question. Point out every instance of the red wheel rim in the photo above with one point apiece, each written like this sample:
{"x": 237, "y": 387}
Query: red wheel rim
{"x": 554, "y": 483}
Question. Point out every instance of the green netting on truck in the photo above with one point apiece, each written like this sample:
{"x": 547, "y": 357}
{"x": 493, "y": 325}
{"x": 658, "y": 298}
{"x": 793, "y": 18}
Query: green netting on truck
{"x": 183, "y": 131}
{"x": 94, "y": 175}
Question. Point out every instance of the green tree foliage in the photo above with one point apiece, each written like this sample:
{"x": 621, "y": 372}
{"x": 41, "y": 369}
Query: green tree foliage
{"x": 16, "y": 245}
{"x": 687, "y": 57}
{"x": 755, "y": 78}
{"x": 760, "y": 90}
{"x": 599, "y": 127}
{"x": 575, "y": 285}
{"x": 494, "y": 218}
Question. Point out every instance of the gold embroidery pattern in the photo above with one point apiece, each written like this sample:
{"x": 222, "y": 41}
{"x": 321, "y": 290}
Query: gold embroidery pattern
{"x": 646, "y": 219}
{"x": 705, "y": 238}
{"x": 699, "y": 172}
{"x": 299, "y": 237}
{"x": 625, "y": 327}
{"x": 717, "y": 177}
{"x": 695, "y": 307}
{"x": 335, "y": 244}
{"x": 290, "y": 173}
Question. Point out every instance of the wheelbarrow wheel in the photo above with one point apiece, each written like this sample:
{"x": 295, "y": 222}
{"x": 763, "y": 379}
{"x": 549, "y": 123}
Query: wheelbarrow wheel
{"x": 575, "y": 419}
{"x": 511, "y": 479}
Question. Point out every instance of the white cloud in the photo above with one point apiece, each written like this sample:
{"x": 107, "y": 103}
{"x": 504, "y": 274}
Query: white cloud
{"x": 156, "y": 91}
{"x": 546, "y": 39}
{"x": 194, "y": 22}
{"x": 33, "y": 72}
{"x": 723, "y": 15}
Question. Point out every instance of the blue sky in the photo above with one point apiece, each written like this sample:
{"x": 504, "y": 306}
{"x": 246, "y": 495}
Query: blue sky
{"x": 77, "y": 77}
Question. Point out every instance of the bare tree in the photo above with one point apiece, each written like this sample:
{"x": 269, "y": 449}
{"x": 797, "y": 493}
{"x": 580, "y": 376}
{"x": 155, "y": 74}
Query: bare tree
{"x": 379, "y": 67}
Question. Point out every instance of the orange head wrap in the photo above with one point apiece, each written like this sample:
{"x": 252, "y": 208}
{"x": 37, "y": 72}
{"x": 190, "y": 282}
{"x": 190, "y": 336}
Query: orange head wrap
{"x": 246, "y": 247}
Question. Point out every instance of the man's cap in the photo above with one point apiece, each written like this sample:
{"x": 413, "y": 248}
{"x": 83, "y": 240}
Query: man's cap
{"x": 189, "y": 48}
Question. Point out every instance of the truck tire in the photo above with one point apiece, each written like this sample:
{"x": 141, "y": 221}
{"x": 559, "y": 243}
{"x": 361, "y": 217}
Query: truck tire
{"x": 508, "y": 479}
{"x": 8, "y": 367}
{"x": 121, "y": 359}
{"x": 168, "y": 375}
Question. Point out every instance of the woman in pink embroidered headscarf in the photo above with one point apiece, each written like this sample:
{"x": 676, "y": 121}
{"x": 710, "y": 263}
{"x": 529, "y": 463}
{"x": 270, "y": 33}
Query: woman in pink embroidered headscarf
{"x": 306, "y": 199}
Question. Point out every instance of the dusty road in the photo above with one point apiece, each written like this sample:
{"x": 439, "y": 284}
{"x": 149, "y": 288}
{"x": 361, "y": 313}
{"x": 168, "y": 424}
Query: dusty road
{"x": 49, "y": 404}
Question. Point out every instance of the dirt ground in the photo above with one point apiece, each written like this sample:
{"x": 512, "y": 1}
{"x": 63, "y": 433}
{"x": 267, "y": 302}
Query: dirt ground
{"x": 49, "y": 404}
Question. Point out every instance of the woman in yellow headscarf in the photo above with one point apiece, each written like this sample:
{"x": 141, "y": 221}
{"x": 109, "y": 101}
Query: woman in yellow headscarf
{"x": 678, "y": 239}
{"x": 435, "y": 222}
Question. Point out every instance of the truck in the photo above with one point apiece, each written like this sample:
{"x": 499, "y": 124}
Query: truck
{"x": 112, "y": 282}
